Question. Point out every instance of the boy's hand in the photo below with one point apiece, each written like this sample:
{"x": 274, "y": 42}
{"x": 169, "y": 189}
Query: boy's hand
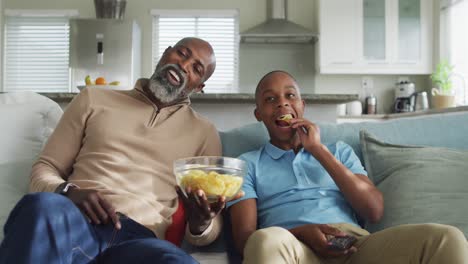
{"x": 315, "y": 236}
{"x": 199, "y": 211}
{"x": 309, "y": 133}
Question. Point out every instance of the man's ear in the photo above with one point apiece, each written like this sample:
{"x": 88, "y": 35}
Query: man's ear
{"x": 257, "y": 115}
{"x": 199, "y": 88}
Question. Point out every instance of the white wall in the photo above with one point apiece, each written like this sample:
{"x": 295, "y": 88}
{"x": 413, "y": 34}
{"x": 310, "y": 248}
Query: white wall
{"x": 1, "y": 45}
{"x": 255, "y": 60}
{"x": 228, "y": 116}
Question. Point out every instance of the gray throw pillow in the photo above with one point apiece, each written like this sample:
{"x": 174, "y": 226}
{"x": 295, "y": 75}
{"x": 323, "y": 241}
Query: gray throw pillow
{"x": 419, "y": 184}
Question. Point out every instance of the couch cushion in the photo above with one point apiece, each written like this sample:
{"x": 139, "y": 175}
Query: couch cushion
{"x": 14, "y": 179}
{"x": 419, "y": 184}
{"x": 27, "y": 121}
{"x": 437, "y": 130}
{"x": 243, "y": 139}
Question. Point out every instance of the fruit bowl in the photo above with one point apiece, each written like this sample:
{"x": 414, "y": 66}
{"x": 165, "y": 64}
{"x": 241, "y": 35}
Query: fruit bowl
{"x": 216, "y": 176}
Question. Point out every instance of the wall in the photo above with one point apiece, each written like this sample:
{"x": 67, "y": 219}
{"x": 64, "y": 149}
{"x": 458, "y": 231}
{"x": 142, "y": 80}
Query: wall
{"x": 232, "y": 115}
{"x": 140, "y": 11}
{"x": 1, "y": 45}
{"x": 228, "y": 116}
{"x": 255, "y": 59}
{"x": 384, "y": 86}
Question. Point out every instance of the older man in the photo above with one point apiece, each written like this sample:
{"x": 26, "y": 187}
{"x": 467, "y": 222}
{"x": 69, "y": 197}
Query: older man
{"x": 104, "y": 185}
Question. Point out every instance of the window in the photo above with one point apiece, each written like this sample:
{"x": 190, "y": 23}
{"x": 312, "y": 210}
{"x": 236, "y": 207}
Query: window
{"x": 36, "y": 50}
{"x": 219, "y": 28}
{"x": 455, "y": 42}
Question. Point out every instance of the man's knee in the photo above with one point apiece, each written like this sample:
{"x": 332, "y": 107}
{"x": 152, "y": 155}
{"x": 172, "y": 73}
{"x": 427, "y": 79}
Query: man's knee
{"x": 44, "y": 201}
{"x": 44, "y": 204}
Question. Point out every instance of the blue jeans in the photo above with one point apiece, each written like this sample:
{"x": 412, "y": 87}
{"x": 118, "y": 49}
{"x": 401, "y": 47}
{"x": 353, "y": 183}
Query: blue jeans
{"x": 49, "y": 228}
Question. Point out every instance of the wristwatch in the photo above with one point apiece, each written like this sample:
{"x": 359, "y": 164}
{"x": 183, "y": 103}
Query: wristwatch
{"x": 65, "y": 187}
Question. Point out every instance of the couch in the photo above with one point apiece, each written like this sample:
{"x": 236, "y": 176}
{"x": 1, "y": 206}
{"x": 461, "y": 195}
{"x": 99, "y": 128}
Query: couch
{"x": 419, "y": 163}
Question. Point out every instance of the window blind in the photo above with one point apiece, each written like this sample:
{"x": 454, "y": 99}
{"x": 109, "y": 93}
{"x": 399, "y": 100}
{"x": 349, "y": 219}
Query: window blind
{"x": 221, "y": 31}
{"x": 457, "y": 49}
{"x": 36, "y": 54}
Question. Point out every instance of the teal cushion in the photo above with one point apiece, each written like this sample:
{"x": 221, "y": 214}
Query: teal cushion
{"x": 419, "y": 184}
{"x": 448, "y": 130}
{"x": 421, "y": 130}
{"x": 243, "y": 139}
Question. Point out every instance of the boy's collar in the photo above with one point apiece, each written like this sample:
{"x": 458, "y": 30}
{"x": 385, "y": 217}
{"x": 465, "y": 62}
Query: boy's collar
{"x": 274, "y": 152}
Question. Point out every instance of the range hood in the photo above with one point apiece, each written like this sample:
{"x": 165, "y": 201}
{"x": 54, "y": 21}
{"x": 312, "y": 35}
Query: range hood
{"x": 277, "y": 28}
{"x": 114, "y": 9}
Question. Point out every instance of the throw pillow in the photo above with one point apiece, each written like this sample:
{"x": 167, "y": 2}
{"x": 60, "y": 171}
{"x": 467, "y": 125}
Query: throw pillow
{"x": 27, "y": 121}
{"x": 419, "y": 184}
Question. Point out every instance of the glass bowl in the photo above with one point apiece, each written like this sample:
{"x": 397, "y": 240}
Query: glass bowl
{"x": 216, "y": 176}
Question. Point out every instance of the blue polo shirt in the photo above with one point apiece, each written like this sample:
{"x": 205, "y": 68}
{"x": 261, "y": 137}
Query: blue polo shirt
{"x": 294, "y": 189}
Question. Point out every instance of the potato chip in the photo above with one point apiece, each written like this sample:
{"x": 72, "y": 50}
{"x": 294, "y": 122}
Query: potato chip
{"x": 212, "y": 183}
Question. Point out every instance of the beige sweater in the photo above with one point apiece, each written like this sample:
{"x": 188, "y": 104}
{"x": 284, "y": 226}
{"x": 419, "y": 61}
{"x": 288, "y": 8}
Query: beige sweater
{"x": 121, "y": 144}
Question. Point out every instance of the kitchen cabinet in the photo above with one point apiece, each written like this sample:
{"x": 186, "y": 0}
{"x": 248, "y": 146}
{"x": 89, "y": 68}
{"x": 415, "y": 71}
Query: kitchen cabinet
{"x": 375, "y": 37}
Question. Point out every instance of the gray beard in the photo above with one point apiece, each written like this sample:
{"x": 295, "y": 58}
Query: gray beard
{"x": 163, "y": 90}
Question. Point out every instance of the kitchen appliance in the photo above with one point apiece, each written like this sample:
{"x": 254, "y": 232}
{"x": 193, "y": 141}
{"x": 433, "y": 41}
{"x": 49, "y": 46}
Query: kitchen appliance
{"x": 108, "y": 48}
{"x": 277, "y": 28}
{"x": 404, "y": 89}
{"x": 404, "y": 97}
{"x": 421, "y": 101}
{"x": 354, "y": 108}
{"x": 403, "y": 105}
{"x": 370, "y": 105}
{"x": 110, "y": 8}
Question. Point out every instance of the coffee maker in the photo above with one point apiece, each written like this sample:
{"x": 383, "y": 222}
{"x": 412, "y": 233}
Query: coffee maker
{"x": 404, "y": 97}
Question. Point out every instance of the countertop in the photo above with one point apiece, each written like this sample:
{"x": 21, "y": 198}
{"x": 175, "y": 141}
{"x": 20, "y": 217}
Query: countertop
{"x": 238, "y": 98}
{"x": 410, "y": 114}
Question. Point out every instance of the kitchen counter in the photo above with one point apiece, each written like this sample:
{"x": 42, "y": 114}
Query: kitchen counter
{"x": 381, "y": 117}
{"x": 238, "y": 98}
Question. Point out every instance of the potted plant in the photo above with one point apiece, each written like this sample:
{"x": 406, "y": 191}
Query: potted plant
{"x": 442, "y": 96}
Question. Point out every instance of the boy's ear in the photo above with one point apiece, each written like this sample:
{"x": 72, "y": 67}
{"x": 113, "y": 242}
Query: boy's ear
{"x": 257, "y": 115}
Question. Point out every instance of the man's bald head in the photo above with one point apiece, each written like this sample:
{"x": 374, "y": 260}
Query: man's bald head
{"x": 201, "y": 44}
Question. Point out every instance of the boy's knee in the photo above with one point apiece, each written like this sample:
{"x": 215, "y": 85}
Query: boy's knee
{"x": 269, "y": 238}
{"x": 444, "y": 232}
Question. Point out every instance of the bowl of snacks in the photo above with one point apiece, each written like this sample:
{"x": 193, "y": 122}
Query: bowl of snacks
{"x": 216, "y": 176}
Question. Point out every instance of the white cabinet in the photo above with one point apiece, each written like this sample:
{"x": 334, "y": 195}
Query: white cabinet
{"x": 375, "y": 37}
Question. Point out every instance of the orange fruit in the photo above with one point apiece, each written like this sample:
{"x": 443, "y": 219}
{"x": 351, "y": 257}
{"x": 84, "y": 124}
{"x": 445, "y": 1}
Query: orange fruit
{"x": 100, "y": 81}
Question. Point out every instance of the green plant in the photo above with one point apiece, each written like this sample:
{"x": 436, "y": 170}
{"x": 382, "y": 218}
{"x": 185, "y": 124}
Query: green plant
{"x": 441, "y": 77}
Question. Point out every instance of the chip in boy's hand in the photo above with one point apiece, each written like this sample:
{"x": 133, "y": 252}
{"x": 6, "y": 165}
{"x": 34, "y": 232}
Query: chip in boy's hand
{"x": 284, "y": 120}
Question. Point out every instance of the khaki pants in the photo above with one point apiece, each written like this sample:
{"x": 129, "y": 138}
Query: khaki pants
{"x": 421, "y": 243}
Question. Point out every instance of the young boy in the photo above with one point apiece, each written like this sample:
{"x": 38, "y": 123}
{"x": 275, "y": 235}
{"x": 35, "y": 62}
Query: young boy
{"x": 301, "y": 195}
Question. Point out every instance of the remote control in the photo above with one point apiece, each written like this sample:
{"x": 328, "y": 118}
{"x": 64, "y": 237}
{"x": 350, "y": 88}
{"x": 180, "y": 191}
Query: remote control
{"x": 342, "y": 243}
